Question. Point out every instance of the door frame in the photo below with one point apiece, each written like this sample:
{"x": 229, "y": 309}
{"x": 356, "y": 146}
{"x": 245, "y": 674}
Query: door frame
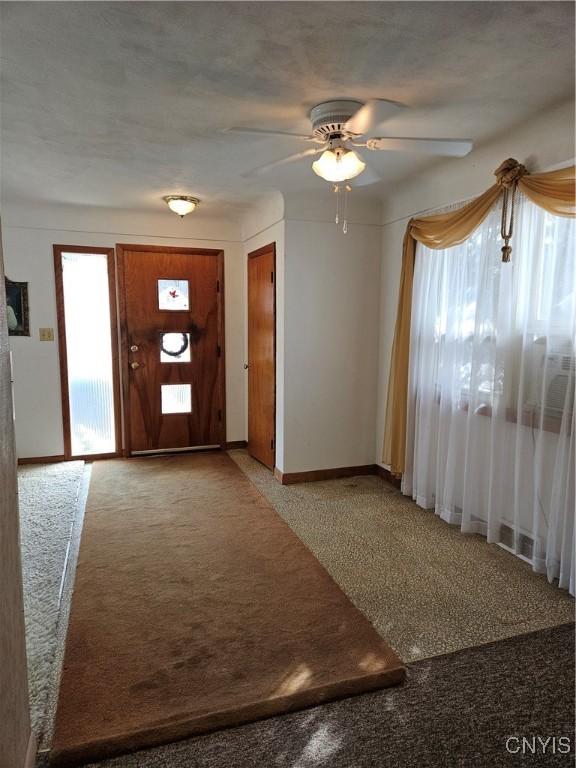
{"x": 58, "y": 250}
{"x": 253, "y": 255}
{"x": 121, "y": 249}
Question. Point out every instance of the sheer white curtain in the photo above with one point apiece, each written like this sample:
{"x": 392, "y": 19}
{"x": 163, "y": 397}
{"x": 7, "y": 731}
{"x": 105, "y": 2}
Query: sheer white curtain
{"x": 491, "y": 425}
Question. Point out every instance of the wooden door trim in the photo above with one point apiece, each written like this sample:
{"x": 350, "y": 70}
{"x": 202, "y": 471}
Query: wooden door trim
{"x": 168, "y": 249}
{"x": 222, "y": 343}
{"x": 264, "y": 251}
{"x": 121, "y": 249}
{"x": 58, "y": 249}
{"x": 270, "y": 248}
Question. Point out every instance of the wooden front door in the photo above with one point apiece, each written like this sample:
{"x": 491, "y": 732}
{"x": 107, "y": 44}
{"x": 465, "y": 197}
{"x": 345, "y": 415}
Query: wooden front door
{"x": 262, "y": 354}
{"x": 172, "y": 314}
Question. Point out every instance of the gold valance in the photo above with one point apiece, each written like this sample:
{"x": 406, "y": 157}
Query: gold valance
{"x": 554, "y": 191}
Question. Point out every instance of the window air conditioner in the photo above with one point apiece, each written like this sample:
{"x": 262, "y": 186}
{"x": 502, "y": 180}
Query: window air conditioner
{"x": 551, "y": 377}
{"x": 559, "y": 384}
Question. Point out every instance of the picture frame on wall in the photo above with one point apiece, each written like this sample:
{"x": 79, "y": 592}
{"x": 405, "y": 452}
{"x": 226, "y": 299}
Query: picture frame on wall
{"x": 17, "y": 308}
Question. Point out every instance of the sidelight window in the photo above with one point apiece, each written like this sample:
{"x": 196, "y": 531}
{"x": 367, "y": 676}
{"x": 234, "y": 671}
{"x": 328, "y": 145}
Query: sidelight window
{"x": 88, "y": 344}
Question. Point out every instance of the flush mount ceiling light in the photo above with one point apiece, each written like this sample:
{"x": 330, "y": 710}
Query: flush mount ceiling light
{"x": 338, "y": 164}
{"x": 181, "y": 204}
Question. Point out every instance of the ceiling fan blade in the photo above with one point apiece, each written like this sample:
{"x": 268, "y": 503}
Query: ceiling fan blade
{"x": 371, "y": 115}
{"x": 447, "y": 147}
{"x": 368, "y": 176}
{"x": 265, "y": 132}
{"x": 284, "y": 161}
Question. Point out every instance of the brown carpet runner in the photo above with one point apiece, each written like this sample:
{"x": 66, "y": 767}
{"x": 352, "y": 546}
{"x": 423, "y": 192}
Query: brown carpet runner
{"x": 195, "y": 608}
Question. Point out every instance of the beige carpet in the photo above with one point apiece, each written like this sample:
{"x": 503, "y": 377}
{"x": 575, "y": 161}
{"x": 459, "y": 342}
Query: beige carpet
{"x": 425, "y": 586}
{"x": 196, "y": 607}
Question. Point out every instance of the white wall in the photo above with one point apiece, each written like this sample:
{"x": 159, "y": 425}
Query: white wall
{"x": 546, "y": 142}
{"x": 331, "y": 333}
{"x": 327, "y": 326}
{"x": 15, "y": 734}
{"x": 28, "y": 235}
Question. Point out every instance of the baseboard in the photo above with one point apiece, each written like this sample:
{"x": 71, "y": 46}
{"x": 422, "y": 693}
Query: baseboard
{"x": 288, "y": 478}
{"x": 385, "y": 474}
{"x": 41, "y": 459}
{"x": 232, "y": 445}
{"x": 30, "y": 761}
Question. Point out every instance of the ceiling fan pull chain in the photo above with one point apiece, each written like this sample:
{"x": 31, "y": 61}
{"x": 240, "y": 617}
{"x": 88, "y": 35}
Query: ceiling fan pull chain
{"x": 337, "y": 191}
{"x": 347, "y": 190}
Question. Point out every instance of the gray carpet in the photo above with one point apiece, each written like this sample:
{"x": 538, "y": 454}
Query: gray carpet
{"x": 48, "y": 496}
{"x": 454, "y": 711}
{"x": 425, "y": 586}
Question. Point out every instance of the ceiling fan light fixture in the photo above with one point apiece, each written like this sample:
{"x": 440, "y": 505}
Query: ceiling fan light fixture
{"x": 181, "y": 204}
{"x": 338, "y": 165}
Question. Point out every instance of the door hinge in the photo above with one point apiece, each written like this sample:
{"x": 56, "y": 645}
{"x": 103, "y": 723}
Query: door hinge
{"x": 271, "y": 277}
{"x": 219, "y": 414}
{"x": 217, "y": 286}
{"x": 272, "y": 444}
{"x": 218, "y": 350}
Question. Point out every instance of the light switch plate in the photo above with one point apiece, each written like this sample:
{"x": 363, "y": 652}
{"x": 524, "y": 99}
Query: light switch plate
{"x": 46, "y": 334}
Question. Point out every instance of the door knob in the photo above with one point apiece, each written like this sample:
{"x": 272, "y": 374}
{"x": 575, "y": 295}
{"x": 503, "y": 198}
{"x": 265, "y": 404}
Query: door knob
{"x": 134, "y": 365}
{"x": 134, "y": 348}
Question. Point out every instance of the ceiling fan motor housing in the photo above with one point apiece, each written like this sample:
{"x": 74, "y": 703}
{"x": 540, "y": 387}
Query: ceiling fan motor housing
{"x": 329, "y": 118}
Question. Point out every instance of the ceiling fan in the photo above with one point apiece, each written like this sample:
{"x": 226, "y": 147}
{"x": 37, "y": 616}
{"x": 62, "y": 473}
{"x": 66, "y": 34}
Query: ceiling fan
{"x": 339, "y": 127}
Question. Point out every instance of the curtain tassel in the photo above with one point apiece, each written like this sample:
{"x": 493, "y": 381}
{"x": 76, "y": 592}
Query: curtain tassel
{"x": 508, "y": 174}
{"x": 507, "y": 225}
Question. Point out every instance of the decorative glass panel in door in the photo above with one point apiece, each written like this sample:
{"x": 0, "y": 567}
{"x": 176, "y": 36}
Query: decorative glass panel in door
{"x": 173, "y": 295}
{"x": 175, "y": 348}
{"x": 176, "y": 398}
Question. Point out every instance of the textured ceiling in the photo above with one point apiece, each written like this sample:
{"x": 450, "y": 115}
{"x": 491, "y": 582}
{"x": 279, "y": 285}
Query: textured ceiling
{"x": 116, "y": 104}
